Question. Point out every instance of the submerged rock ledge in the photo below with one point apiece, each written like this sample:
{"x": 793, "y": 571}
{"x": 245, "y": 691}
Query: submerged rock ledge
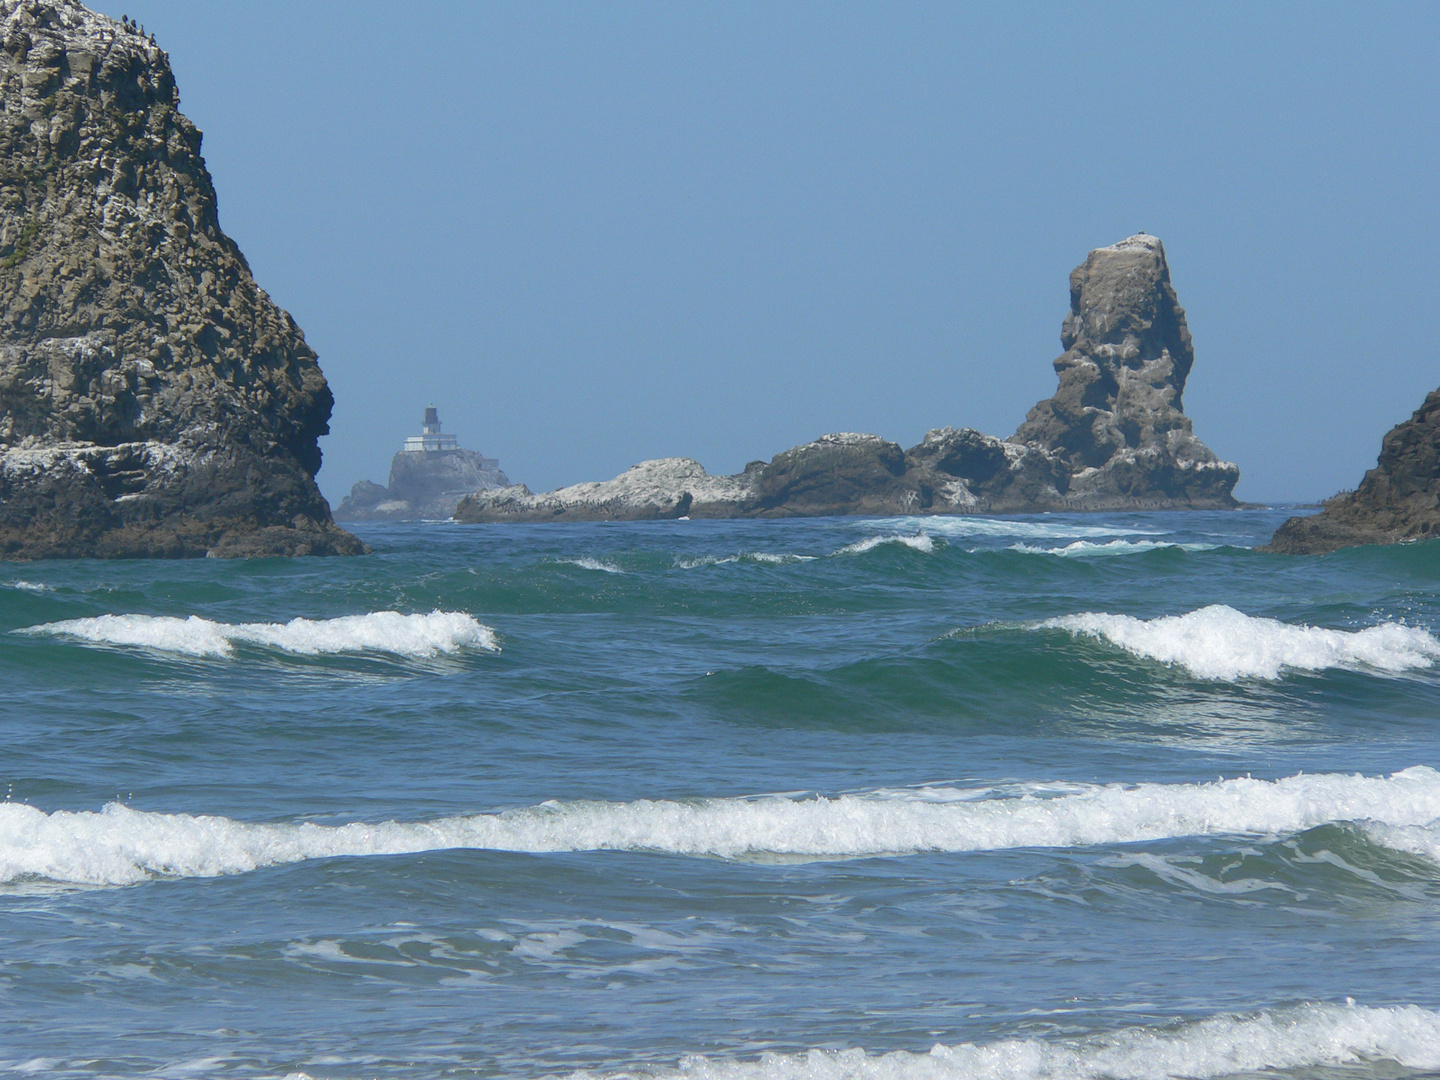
{"x": 154, "y": 401}
{"x": 1114, "y": 437}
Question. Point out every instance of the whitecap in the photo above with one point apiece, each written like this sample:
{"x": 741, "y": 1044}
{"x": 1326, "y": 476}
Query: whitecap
{"x": 417, "y": 636}
{"x": 764, "y": 558}
{"x": 588, "y": 563}
{"x": 30, "y": 586}
{"x": 1218, "y": 642}
{"x": 1039, "y": 528}
{"x": 119, "y": 845}
{"x": 918, "y": 541}
{"x": 1090, "y": 548}
{"x": 1309, "y": 1036}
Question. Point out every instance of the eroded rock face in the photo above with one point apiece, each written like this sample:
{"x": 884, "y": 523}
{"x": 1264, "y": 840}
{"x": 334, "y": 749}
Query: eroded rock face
{"x": 154, "y": 401}
{"x": 1397, "y": 501}
{"x": 844, "y": 473}
{"x": 1116, "y": 420}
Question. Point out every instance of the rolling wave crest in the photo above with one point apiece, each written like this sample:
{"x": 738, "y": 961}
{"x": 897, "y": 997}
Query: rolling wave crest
{"x": 1218, "y": 642}
{"x": 379, "y": 631}
{"x": 1306, "y": 1036}
{"x": 119, "y": 845}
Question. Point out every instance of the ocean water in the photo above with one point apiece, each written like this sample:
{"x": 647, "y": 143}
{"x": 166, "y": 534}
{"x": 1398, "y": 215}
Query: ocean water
{"x": 910, "y": 799}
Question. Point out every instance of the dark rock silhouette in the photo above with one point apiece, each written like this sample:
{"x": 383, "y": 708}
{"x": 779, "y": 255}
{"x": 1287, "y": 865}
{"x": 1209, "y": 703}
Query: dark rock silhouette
{"x": 1397, "y": 501}
{"x": 154, "y": 401}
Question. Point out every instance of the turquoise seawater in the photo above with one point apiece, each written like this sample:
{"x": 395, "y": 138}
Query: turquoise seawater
{"x": 1054, "y": 796}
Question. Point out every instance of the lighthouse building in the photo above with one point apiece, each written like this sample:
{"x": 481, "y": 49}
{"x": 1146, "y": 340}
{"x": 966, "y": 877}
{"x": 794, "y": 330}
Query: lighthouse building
{"x": 428, "y": 478}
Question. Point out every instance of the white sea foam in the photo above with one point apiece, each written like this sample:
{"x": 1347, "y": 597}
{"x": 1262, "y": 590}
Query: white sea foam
{"x": 764, "y": 558}
{"x": 119, "y": 845}
{"x": 1091, "y": 549}
{"x": 30, "y": 586}
{"x": 1037, "y": 528}
{"x": 380, "y": 631}
{"x": 1218, "y": 642}
{"x": 918, "y": 541}
{"x": 1301, "y": 1037}
{"x": 588, "y": 563}
{"x": 1422, "y": 840}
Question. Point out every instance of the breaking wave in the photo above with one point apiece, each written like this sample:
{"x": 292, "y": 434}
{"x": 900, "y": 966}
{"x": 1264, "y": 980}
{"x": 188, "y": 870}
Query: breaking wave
{"x": 119, "y": 845}
{"x": 593, "y": 564}
{"x": 1306, "y": 1036}
{"x": 380, "y": 631}
{"x": 1092, "y": 549}
{"x": 965, "y": 526}
{"x": 1218, "y": 642}
{"x": 30, "y": 586}
{"x": 919, "y": 541}
{"x": 764, "y": 558}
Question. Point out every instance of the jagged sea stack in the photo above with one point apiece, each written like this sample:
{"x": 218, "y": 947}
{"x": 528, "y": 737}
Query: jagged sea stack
{"x": 1113, "y": 437}
{"x": 1116, "y": 421}
{"x": 154, "y": 401}
{"x": 1398, "y": 500}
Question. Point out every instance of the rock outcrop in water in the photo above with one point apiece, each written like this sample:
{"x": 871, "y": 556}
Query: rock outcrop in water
{"x": 428, "y": 478}
{"x": 1116, "y": 422}
{"x": 1397, "y": 501}
{"x": 154, "y": 401}
{"x": 1114, "y": 437}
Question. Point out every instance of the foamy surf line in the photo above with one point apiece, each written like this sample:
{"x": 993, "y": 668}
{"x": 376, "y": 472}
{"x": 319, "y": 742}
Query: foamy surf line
{"x": 1081, "y": 549}
{"x": 419, "y": 636}
{"x": 763, "y": 558}
{"x": 918, "y": 542}
{"x": 1313, "y": 1035}
{"x": 119, "y": 845}
{"x": 588, "y": 563}
{"x": 1218, "y": 642}
{"x": 964, "y": 526}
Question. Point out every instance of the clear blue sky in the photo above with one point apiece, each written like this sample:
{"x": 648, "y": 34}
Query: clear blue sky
{"x": 598, "y": 233}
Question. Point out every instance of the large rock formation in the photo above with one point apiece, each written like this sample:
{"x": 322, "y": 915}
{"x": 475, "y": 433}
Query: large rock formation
{"x": 1112, "y": 438}
{"x": 154, "y": 401}
{"x": 950, "y": 472}
{"x": 1398, "y": 500}
{"x": 1116, "y": 422}
{"x": 428, "y": 478}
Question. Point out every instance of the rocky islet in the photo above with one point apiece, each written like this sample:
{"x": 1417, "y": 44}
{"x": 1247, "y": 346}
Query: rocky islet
{"x": 1397, "y": 501}
{"x": 1113, "y": 437}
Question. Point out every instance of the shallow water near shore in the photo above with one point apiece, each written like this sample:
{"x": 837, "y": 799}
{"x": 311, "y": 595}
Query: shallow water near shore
{"x": 1089, "y": 796}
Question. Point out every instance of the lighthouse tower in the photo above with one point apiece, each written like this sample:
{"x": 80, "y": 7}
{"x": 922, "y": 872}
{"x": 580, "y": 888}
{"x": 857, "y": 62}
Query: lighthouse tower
{"x": 431, "y": 439}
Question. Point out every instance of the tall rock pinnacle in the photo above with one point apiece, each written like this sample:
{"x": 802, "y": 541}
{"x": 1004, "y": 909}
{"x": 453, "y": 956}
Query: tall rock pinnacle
{"x": 153, "y": 399}
{"x": 1116, "y": 421}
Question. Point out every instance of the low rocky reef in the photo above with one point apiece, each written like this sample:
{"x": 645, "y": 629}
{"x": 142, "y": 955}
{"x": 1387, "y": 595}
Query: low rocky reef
{"x": 1396, "y": 502}
{"x": 1113, "y": 437}
{"x": 154, "y": 401}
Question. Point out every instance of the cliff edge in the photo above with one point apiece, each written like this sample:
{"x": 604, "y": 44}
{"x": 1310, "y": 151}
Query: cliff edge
{"x": 154, "y": 401}
{"x": 1397, "y": 501}
{"x": 1114, "y": 437}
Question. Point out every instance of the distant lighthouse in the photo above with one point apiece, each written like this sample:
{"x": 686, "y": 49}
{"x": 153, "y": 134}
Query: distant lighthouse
{"x": 428, "y": 478}
{"x": 430, "y": 440}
